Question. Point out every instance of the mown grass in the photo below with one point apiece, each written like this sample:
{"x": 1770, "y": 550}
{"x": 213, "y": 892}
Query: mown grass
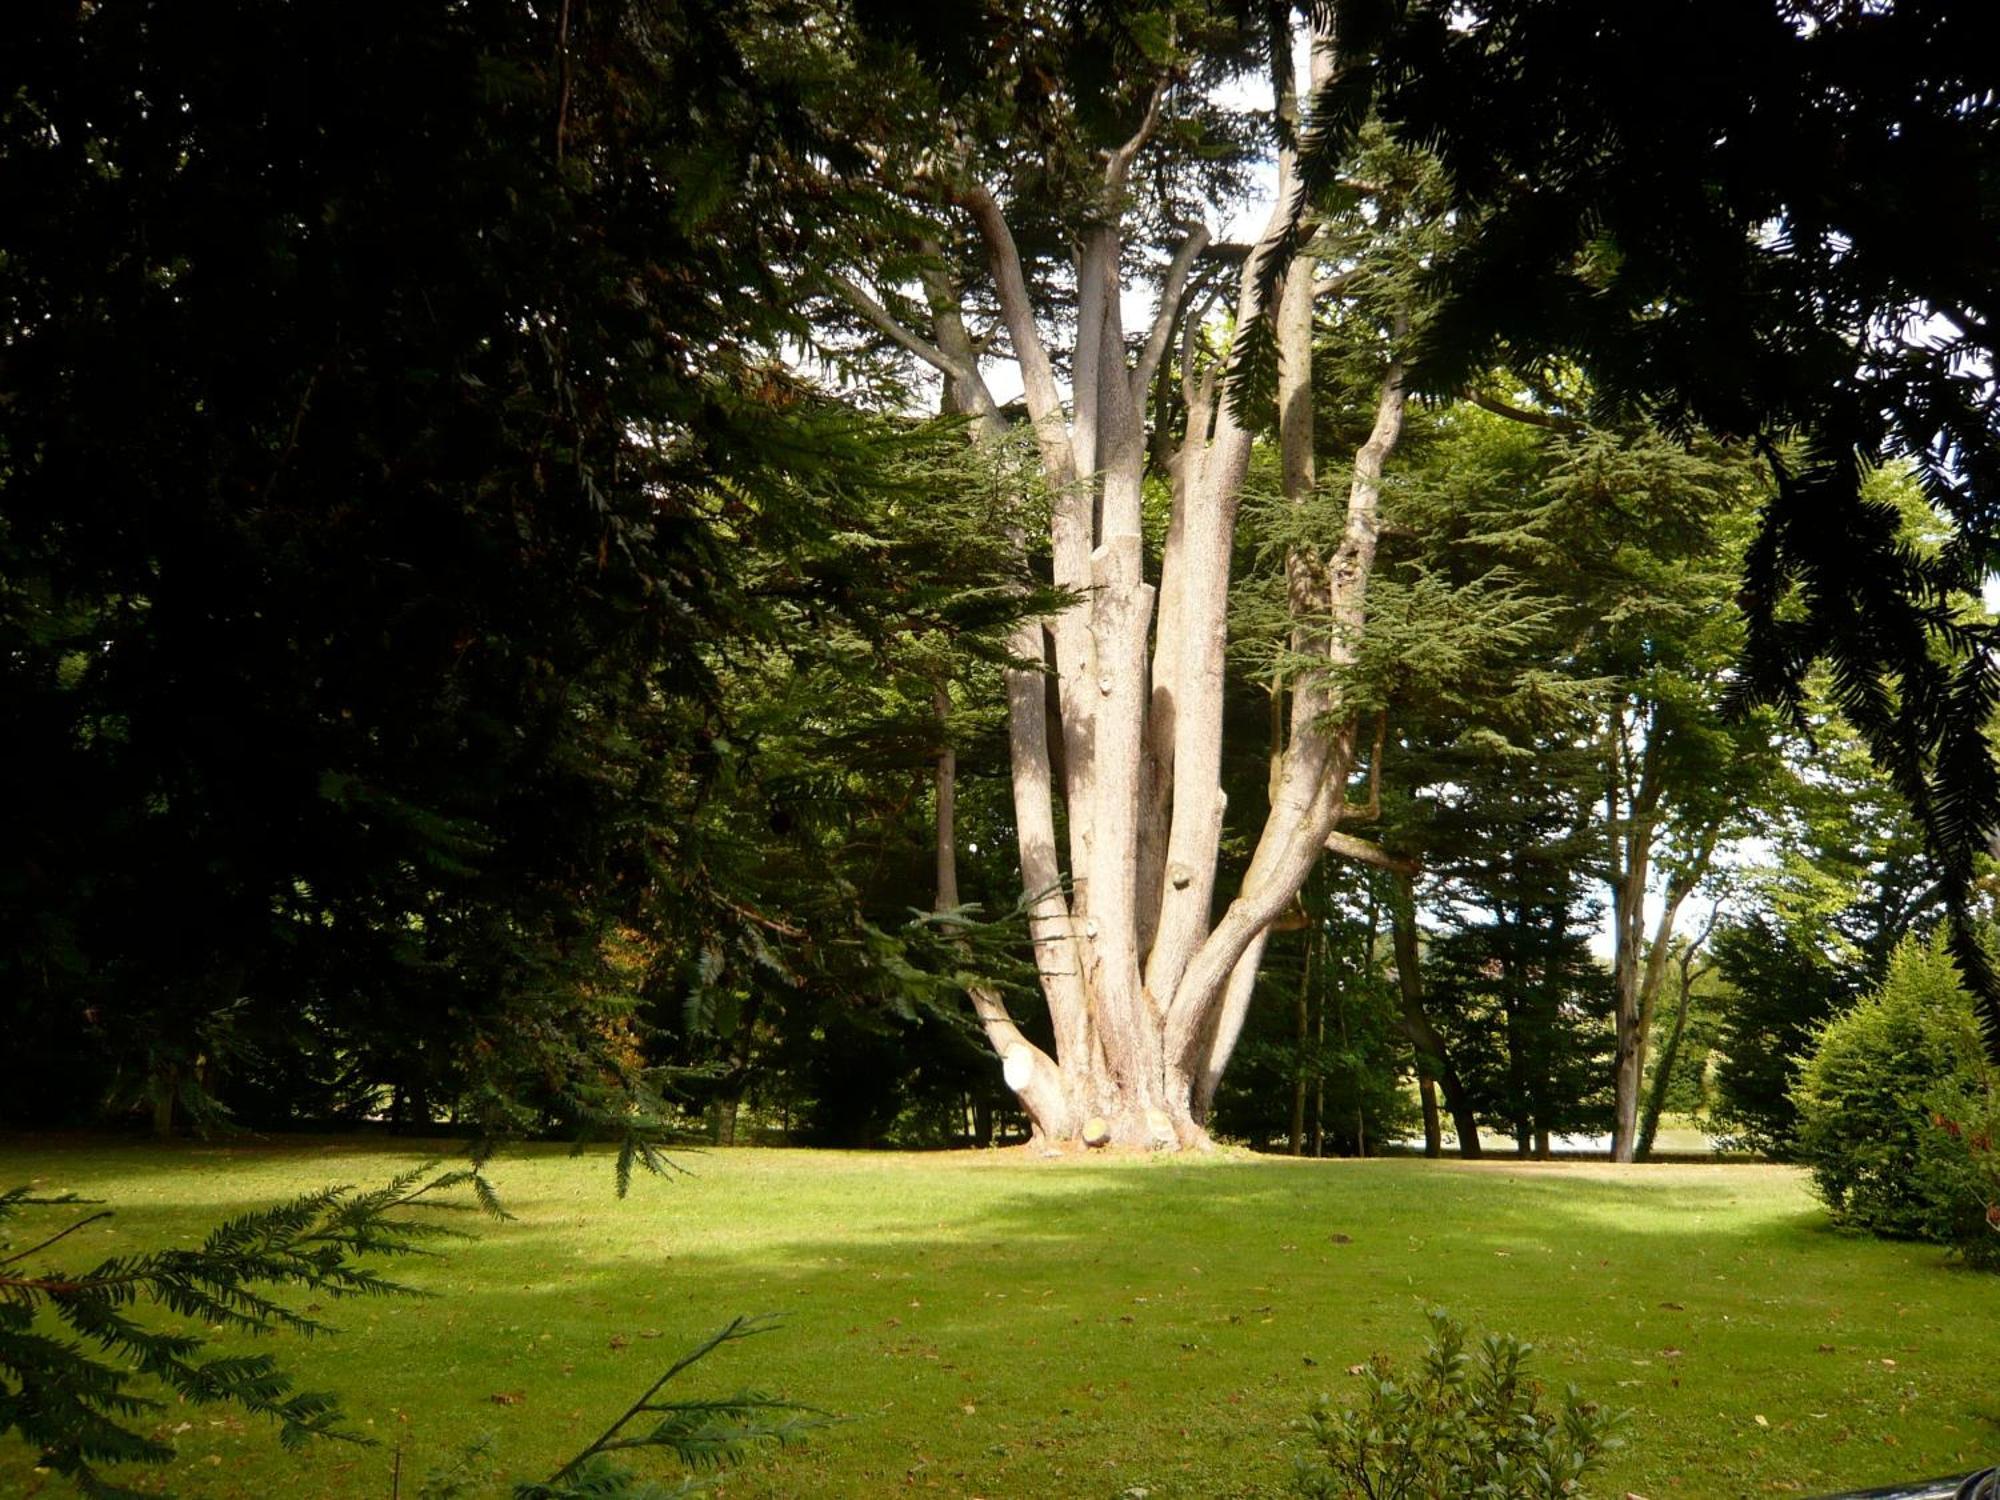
{"x": 999, "y": 1326}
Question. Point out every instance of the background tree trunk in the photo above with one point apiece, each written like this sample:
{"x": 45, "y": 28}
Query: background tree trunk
{"x": 1427, "y": 1092}
{"x": 1434, "y": 1058}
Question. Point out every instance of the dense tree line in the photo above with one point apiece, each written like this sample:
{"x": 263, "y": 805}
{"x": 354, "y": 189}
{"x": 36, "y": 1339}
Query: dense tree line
{"x": 527, "y": 600}
{"x": 401, "y": 486}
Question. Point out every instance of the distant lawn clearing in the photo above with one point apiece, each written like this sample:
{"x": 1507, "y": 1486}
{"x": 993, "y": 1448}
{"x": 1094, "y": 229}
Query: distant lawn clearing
{"x": 1003, "y": 1327}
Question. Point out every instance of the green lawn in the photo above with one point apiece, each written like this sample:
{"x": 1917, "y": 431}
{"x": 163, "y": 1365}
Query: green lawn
{"x": 1003, "y": 1327}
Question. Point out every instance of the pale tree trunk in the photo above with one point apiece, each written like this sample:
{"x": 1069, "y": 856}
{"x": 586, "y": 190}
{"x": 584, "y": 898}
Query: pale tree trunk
{"x": 1656, "y": 1098}
{"x": 1639, "y": 963}
{"x": 1631, "y": 847}
{"x": 1658, "y": 948}
{"x": 1029, "y": 1071}
{"x": 944, "y": 777}
{"x": 1146, "y": 988}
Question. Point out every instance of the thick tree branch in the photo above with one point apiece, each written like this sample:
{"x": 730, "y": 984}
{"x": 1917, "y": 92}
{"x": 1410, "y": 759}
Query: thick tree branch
{"x": 1198, "y": 391}
{"x": 1514, "y": 413}
{"x": 1118, "y": 164}
{"x": 1038, "y": 380}
{"x": 1172, "y": 290}
{"x": 888, "y": 323}
{"x": 1338, "y": 284}
{"x": 955, "y": 341}
{"x": 1096, "y": 295}
{"x": 1370, "y": 810}
{"x": 1368, "y": 852}
{"x": 1031, "y": 1073}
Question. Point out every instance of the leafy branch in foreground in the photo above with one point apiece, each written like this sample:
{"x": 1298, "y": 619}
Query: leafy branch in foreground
{"x": 1458, "y": 1424}
{"x": 77, "y": 1385}
{"x": 703, "y": 1435}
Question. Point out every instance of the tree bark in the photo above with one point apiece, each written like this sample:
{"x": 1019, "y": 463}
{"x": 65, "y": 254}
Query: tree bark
{"x": 1631, "y": 845}
{"x": 1639, "y": 964}
{"x": 1430, "y": 1047}
{"x": 1301, "y": 1034}
{"x": 166, "y": 1090}
{"x": 1656, "y": 1099}
{"x": 1147, "y": 990}
{"x": 945, "y": 782}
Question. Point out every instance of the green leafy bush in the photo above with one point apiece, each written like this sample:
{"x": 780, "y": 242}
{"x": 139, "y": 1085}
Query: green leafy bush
{"x": 1459, "y": 1425}
{"x": 1874, "y": 1095}
{"x": 1970, "y": 1119}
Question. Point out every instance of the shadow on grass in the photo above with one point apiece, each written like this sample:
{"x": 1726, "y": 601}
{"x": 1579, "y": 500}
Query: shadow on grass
{"x": 1023, "y": 1328}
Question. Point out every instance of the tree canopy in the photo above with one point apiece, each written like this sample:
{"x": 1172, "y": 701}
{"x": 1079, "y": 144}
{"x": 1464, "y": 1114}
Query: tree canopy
{"x": 1776, "y": 223}
{"x": 522, "y": 584}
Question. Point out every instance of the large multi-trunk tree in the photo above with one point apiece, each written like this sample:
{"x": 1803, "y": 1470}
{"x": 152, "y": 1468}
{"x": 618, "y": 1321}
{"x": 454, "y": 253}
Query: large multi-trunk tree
{"x": 1116, "y": 772}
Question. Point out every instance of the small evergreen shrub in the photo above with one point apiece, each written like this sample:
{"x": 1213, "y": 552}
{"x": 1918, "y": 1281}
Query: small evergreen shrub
{"x": 1875, "y": 1098}
{"x": 1458, "y": 1425}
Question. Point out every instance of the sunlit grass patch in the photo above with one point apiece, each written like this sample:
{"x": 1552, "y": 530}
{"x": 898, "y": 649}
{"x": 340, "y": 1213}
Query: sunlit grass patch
{"x": 997, "y": 1325}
